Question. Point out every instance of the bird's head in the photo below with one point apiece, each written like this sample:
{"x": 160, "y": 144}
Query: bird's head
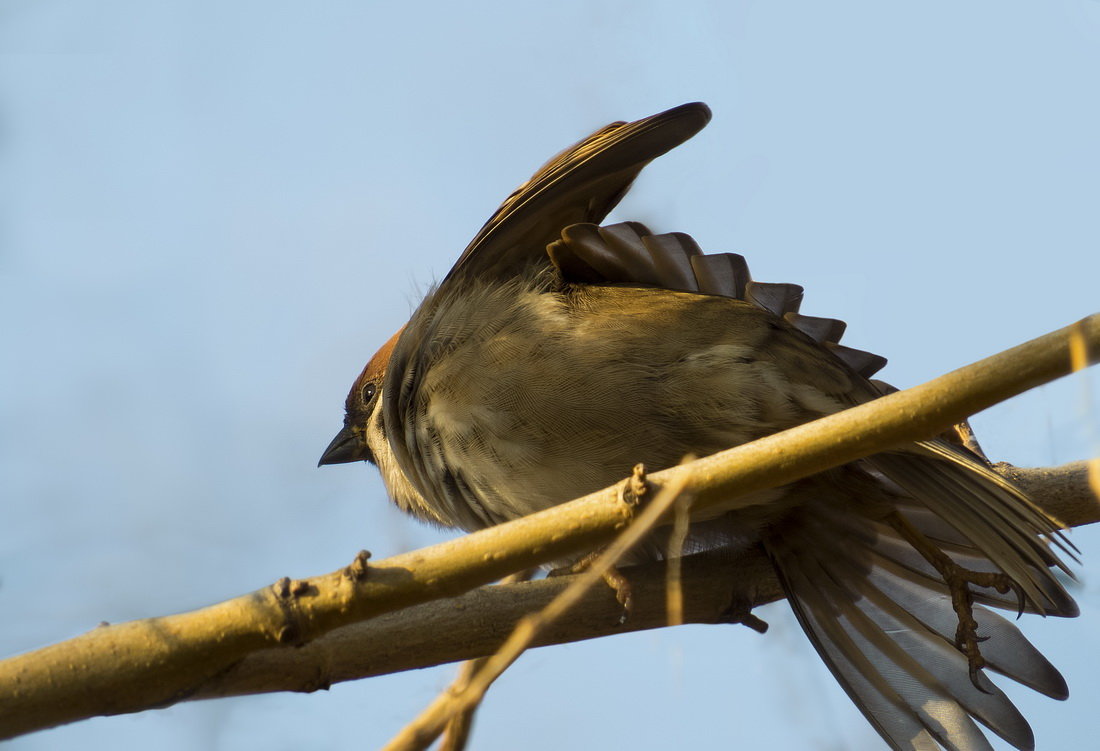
{"x": 362, "y": 437}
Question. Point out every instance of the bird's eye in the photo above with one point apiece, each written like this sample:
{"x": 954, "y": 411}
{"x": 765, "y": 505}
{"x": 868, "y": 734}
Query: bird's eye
{"x": 368, "y": 392}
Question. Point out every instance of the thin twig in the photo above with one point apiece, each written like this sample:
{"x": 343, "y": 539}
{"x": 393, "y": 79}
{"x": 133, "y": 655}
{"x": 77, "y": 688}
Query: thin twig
{"x": 457, "y": 733}
{"x": 674, "y": 590}
{"x": 1079, "y": 360}
{"x": 420, "y": 733}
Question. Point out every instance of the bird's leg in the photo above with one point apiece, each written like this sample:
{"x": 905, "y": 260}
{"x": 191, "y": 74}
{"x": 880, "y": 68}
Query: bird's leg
{"x": 635, "y": 489}
{"x": 958, "y": 580}
{"x": 613, "y": 577}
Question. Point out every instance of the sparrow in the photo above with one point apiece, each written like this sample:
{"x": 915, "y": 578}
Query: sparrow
{"x": 557, "y": 354}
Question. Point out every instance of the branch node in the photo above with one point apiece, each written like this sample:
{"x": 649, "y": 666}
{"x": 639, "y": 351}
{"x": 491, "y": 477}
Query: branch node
{"x": 636, "y": 486}
{"x": 756, "y": 624}
{"x": 286, "y": 591}
{"x": 740, "y": 611}
{"x": 357, "y": 570}
{"x": 287, "y": 588}
{"x": 287, "y": 635}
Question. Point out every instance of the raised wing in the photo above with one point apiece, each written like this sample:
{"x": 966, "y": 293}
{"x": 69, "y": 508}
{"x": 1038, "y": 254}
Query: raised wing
{"x": 581, "y": 184}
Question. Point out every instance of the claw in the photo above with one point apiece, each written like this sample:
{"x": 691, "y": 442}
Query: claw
{"x": 958, "y": 581}
{"x": 624, "y": 592}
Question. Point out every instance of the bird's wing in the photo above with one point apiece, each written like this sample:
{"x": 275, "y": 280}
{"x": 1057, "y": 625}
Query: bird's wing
{"x": 628, "y": 253}
{"x": 581, "y": 184}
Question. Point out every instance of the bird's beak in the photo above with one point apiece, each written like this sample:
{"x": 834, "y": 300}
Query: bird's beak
{"x": 345, "y": 447}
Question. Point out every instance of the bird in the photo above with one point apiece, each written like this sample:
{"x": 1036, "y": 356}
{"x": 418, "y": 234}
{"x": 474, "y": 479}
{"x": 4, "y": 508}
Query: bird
{"x": 557, "y": 353}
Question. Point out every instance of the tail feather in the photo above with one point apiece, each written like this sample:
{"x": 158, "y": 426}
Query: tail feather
{"x": 992, "y": 515}
{"x": 883, "y": 619}
{"x": 1005, "y": 649}
{"x": 880, "y": 661}
{"x": 1011, "y": 501}
{"x": 887, "y": 636}
{"x": 1054, "y": 600}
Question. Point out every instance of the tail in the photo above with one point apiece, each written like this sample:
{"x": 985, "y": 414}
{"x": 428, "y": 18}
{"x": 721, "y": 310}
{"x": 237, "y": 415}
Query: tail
{"x": 882, "y": 617}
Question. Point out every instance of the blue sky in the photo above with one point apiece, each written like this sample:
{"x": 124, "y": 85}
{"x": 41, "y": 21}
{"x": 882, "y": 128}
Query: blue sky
{"x": 212, "y": 213}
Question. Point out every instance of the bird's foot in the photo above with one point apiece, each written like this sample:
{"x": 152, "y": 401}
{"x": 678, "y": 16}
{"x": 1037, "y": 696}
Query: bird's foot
{"x": 613, "y": 577}
{"x": 959, "y": 581}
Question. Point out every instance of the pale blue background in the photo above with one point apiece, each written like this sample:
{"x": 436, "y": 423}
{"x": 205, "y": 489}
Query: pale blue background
{"x": 213, "y": 212}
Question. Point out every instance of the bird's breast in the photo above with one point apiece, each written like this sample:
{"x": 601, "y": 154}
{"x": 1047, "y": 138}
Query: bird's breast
{"x": 532, "y": 397}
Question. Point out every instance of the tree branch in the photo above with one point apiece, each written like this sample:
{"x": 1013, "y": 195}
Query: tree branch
{"x": 155, "y": 662}
{"x": 477, "y": 622}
